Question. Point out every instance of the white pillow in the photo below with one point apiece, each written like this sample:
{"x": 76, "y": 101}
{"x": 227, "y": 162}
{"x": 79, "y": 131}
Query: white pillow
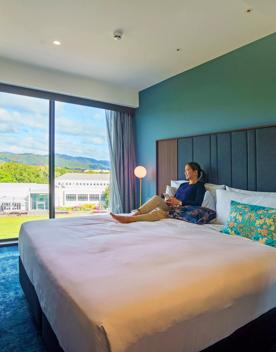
{"x": 254, "y": 193}
{"x": 209, "y": 201}
{"x": 170, "y": 191}
{"x": 211, "y": 187}
{"x": 224, "y": 202}
{"x": 177, "y": 183}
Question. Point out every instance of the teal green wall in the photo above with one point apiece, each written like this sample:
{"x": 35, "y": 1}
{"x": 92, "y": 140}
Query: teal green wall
{"x": 233, "y": 91}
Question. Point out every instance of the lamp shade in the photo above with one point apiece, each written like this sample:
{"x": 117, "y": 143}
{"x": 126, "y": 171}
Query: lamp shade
{"x": 140, "y": 171}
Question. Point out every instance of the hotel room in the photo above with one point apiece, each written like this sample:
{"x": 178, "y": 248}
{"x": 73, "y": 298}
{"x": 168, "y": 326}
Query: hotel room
{"x": 138, "y": 176}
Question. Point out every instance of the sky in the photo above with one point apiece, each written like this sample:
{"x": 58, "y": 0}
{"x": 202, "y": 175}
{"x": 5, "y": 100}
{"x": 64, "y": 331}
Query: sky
{"x": 80, "y": 130}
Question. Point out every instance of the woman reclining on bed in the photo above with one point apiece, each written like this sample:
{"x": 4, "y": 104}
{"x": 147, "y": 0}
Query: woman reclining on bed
{"x": 188, "y": 193}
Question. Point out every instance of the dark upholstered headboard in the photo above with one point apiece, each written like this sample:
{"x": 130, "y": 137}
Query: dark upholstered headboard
{"x": 243, "y": 159}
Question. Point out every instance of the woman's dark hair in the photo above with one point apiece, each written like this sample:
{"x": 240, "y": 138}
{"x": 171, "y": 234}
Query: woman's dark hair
{"x": 200, "y": 173}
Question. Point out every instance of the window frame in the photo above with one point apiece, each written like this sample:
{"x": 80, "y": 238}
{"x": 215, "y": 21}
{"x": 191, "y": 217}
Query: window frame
{"x": 53, "y": 98}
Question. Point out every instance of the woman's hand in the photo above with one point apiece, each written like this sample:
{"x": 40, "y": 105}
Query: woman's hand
{"x": 173, "y": 202}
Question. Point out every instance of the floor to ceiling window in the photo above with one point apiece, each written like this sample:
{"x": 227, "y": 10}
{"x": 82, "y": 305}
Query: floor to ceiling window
{"x": 36, "y": 129}
{"x": 81, "y": 159}
{"x": 24, "y": 190}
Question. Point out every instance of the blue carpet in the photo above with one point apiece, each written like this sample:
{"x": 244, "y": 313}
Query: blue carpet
{"x": 17, "y": 330}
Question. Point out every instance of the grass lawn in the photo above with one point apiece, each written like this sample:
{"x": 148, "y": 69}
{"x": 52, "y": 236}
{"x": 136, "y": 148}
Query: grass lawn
{"x": 10, "y": 225}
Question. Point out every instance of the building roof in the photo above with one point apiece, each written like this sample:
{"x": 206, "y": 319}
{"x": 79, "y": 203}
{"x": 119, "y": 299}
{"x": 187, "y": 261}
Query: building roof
{"x": 83, "y": 177}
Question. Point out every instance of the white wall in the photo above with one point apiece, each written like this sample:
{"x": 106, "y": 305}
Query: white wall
{"x": 25, "y": 75}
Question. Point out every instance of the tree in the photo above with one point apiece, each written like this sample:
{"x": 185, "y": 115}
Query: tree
{"x": 106, "y": 197}
{"x": 13, "y": 172}
{"x": 20, "y": 173}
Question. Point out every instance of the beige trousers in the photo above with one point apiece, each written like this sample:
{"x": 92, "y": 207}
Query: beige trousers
{"x": 154, "y": 209}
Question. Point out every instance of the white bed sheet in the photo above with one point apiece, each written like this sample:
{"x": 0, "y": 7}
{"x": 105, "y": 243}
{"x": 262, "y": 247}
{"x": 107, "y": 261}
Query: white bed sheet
{"x": 160, "y": 286}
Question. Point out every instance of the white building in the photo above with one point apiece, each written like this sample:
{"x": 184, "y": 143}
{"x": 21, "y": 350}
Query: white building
{"x": 72, "y": 189}
{"x": 23, "y": 197}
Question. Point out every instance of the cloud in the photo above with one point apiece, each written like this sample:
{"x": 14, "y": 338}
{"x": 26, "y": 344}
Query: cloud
{"x": 98, "y": 140}
{"x": 7, "y": 127}
{"x": 14, "y": 149}
{"x": 80, "y": 130}
{"x": 19, "y": 121}
{"x": 8, "y": 123}
{"x": 84, "y": 148}
{"x": 23, "y": 103}
{"x": 80, "y": 125}
{"x": 24, "y": 144}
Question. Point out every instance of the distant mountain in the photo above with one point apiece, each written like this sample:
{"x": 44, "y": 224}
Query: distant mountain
{"x": 62, "y": 160}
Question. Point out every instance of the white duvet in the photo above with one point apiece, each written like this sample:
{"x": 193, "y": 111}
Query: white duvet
{"x": 147, "y": 287}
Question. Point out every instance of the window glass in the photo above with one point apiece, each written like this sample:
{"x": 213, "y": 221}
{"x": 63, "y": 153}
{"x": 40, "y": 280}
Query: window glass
{"x": 24, "y": 130}
{"x": 82, "y": 160}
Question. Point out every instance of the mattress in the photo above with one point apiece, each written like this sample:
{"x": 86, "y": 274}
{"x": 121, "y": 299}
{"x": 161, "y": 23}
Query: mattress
{"x": 148, "y": 286}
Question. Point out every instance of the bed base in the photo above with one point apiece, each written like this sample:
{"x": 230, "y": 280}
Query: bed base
{"x": 257, "y": 336}
{"x": 39, "y": 318}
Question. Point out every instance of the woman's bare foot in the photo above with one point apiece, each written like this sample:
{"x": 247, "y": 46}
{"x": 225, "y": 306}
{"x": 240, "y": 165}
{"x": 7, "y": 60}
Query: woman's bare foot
{"x": 136, "y": 212}
{"x": 124, "y": 219}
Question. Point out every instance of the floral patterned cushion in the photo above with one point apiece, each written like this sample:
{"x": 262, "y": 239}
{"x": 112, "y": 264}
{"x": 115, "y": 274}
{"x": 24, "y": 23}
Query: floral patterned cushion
{"x": 194, "y": 214}
{"x": 252, "y": 221}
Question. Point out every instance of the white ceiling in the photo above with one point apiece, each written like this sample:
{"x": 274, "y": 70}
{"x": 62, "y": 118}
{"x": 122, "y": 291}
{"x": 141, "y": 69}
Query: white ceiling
{"x": 154, "y": 29}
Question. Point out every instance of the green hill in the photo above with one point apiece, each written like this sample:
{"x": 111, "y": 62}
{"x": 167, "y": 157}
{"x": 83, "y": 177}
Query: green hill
{"x": 61, "y": 160}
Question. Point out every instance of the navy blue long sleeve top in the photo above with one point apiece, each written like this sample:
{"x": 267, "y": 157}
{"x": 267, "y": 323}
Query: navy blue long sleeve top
{"x": 191, "y": 194}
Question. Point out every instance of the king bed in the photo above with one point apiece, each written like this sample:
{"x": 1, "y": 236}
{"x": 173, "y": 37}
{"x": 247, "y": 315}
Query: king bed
{"x": 95, "y": 285}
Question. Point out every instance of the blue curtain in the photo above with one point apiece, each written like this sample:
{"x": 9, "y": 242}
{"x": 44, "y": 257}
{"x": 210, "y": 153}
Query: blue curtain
{"x": 122, "y": 161}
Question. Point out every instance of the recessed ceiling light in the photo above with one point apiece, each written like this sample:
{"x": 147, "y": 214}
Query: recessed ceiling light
{"x": 56, "y": 42}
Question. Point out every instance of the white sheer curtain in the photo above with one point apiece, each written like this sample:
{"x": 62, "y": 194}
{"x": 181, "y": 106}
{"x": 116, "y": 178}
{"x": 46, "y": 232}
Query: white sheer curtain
{"x": 122, "y": 160}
